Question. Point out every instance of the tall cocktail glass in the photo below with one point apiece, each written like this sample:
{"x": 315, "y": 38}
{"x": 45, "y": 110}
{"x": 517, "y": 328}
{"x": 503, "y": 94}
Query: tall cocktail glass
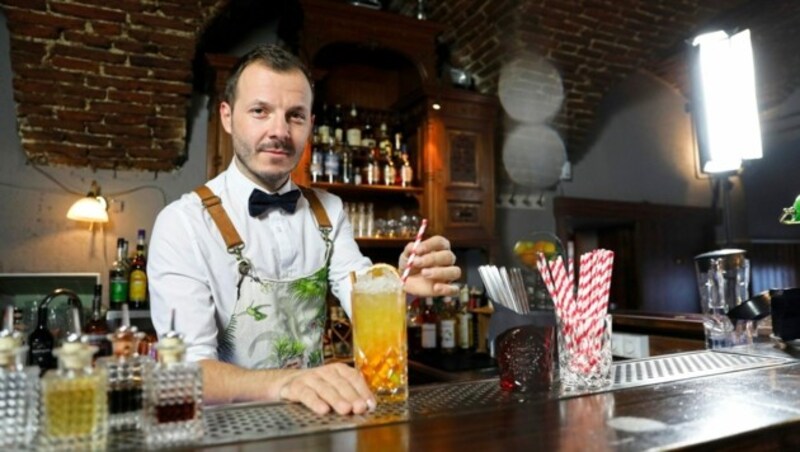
{"x": 379, "y": 332}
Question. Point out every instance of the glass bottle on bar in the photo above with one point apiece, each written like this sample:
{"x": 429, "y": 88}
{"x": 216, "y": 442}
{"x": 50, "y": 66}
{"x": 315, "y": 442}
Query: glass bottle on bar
{"x": 429, "y": 321}
{"x": 96, "y": 330}
{"x": 137, "y": 286}
{"x": 347, "y": 165}
{"x": 447, "y": 327}
{"x": 338, "y": 124}
{"x": 406, "y": 171}
{"x": 74, "y": 399}
{"x": 19, "y": 389}
{"x": 118, "y": 278}
{"x": 324, "y": 128}
{"x": 125, "y": 371}
{"x": 173, "y": 412}
{"x": 41, "y": 343}
{"x": 465, "y": 339}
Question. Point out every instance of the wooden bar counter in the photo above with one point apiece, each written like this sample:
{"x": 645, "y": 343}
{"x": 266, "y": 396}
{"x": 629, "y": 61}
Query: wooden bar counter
{"x": 757, "y": 408}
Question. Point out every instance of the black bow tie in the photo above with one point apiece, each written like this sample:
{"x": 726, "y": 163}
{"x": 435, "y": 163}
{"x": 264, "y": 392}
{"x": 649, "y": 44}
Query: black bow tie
{"x": 260, "y": 202}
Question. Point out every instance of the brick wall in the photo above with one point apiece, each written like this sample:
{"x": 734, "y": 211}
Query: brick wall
{"x": 107, "y": 83}
{"x": 104, "y": 84}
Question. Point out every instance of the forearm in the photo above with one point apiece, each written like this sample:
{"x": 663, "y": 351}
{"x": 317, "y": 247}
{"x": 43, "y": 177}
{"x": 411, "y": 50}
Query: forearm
{"x": 227, "y": 383}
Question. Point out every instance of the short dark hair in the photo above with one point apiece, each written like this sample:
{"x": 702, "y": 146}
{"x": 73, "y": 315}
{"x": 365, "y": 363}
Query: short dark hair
{"x": 274, "y": 57}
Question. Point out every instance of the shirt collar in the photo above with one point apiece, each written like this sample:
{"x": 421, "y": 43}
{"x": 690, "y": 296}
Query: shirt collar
{"x": 240, "y": 186}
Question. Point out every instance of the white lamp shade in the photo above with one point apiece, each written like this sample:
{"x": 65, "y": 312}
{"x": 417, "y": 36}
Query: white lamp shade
{"x": 89, "y": 209}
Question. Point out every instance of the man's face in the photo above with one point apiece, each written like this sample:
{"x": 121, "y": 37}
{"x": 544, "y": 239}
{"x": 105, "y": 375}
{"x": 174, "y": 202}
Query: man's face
{"x": 270, "y": 122}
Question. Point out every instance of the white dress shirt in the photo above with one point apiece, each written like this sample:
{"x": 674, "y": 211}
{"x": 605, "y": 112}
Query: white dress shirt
{"x": 190, "y": 270}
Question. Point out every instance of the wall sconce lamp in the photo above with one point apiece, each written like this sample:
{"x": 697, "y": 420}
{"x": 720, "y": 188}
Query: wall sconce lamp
{"x": 92, "y": 208}
{"x": 725, "y": 111}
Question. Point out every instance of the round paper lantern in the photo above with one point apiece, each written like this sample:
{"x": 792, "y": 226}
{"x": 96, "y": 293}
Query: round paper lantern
{"x": 533, "y": 156}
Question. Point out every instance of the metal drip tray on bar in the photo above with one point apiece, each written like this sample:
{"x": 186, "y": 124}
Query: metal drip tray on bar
{"x": 251, "y": 422}
{"x": 661, "y": 369}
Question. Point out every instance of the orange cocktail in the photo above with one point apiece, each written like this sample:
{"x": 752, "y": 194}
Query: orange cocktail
{"x": 379, "y": 332}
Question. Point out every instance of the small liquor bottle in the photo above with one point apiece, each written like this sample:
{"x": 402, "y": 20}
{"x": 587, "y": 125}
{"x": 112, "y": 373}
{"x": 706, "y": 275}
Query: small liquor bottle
{"x": 96, "y": 330}
{"x": 19, "y": 389}
{"x": 429, "y": 321}
{"x": 447, "y": 327}
{"x": 118, "y": 278}
{"x": 137, "y": 287}
{"x": 40, "y": 343}
{"x": 125, "y": 371}
{"x": 74, "y": 401}
{"x": 173, "y": 404}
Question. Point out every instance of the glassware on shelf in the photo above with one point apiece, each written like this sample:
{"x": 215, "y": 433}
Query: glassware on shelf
{"x": 173, "y": 402}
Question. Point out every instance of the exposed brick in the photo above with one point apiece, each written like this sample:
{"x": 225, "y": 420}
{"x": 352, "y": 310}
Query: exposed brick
{"x": 78, "y": 115}
{"x": 42, "y": 18}
{"x": 109, "y": 129}
{"x": 157, "y": 62}
{"x": 126, "y": 71}
{"x": 73, "y": 64}
{"x": 86, "y": 12}
{"x": 170, "y": 22}
{"x": 33, "y": 31}
{"x": 40, "y": 5}
{"x": 130, "y": 96}
{"x": 89, "y": 39}
{"x": 89, "y": 54}
{"x": 116, "y": 107}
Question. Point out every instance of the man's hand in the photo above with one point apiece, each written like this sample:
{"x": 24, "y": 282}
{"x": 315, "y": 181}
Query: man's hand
{"x": 336, "y": 386}
{"x": 433, "y": 269}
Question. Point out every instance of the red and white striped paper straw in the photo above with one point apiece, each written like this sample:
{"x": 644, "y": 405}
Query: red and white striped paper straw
{"x": 413, "y": 255}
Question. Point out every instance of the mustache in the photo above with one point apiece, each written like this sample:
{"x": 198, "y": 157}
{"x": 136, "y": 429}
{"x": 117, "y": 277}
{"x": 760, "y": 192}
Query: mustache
{"x": 280, "y": 145}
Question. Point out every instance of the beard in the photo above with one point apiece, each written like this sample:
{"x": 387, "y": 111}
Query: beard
{"x": 272, "y": 175}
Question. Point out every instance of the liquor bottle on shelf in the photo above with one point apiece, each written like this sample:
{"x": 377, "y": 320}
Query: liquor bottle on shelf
{"x": 324, "y": 127}
{"x": 368, "y": 135}
{"x": 118, "y": 278}
{"x": 373, "y": 167}
{"x": 173, "y": 402}
{"x": 465, "y": 339}
{"x": 369, "y": 229}
{"x": 74, "y": 399}
{"x": 414, "y": 328}
{"x": 406, "y": 171}
{"x": 317, "y": 156}
{"x": 19, "y": 387}
{"x": 96, "y": 330}
{"x": 41, "y": 343}
{"x": 347, "y": 165}
{"x": 388, "y": 169}
{"x": 331, "y": 164}
{"x": 338, "y": 124}
{"x": 447, "y": 327}
{"x": 429, "y": 321}
{"x": 341, "y": 333}
{"x": 137, "y": 285}
{"x": 354, "y": 128}
{"x": 360, "y": 227}
{"x": 125, "y": 371}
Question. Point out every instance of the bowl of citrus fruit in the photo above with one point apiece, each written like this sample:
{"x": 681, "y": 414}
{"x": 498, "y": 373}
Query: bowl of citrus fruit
{"x": 527, "y": 250}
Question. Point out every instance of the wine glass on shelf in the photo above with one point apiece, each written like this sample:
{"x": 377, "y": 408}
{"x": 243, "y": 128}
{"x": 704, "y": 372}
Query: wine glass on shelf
{"x": 526, "y": 252}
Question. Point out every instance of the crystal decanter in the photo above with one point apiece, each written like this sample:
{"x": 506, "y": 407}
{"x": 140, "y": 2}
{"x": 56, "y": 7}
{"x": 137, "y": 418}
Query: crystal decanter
{"x": 173, "y": 404}
{"x": 125, "y": 370}
{"x": 74, "y": 400}
{"x": 19, "y": 389}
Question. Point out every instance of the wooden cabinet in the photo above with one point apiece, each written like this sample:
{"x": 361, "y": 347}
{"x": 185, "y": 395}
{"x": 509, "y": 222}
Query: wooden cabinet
{"x": 387, "y": 62}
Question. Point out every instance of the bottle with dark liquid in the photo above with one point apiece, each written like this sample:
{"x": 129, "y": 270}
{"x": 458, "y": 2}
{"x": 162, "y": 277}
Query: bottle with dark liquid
{"x": 40, "y": 343}
{"x": 96, "y": 330}
{"x": 137, "y": 288}
{"x": 173, "y": 411}
{"x": 74, "y": 399}
{"x": 125, "y": 370}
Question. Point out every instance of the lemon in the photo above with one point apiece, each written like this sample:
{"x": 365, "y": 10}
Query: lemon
{"x": 380, "y": 270}
{"x": 523, "y": 247}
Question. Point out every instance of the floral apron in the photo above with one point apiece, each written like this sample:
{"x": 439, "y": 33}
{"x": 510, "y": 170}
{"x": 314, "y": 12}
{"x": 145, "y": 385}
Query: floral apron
{"x": 274, "y": 324}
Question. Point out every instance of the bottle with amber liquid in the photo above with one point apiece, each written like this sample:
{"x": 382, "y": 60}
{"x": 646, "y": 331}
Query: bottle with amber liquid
{"x": 74, "y": 399}
{"x": 137, "y": 287}
{"x": 429, "y": 323}
{"x": 19, "y": 389}
{"x": 447, "y": 327}
{"x": 96, "y": 330}
{"x": 125, "y": 371}
{"x": 173, "y": 410}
